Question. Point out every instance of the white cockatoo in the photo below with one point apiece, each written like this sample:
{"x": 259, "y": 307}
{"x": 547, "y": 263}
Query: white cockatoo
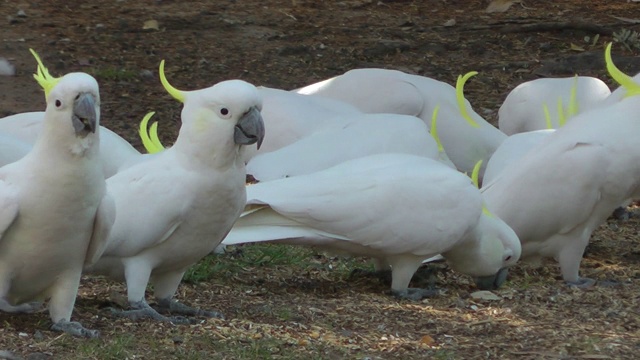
{"x": 564, "y": 188}
{"x": 513, "y": 149}
{"x": 365, "y": 134}
{"x": 55, "y": 214}
{"x": 176, "y": 207}
{"x": 289, "y": 117}
{"x": 548, "y": 103}
{"x": 114, "y": 153}
{"x": 398, "y": 209}
{"x": 465, "y": 135}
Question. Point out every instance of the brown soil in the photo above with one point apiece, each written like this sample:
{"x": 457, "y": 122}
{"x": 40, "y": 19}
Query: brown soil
{"x": 314, "y": 311}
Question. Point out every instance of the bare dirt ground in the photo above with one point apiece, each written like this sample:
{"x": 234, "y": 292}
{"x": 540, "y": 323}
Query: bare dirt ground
{"x": 288, "y": 303}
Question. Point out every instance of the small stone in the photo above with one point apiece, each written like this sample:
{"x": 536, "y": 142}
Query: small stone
{"x": 21, "y": 14}
{"x": 6, "y": 68}
{"x": 146, "y": 74}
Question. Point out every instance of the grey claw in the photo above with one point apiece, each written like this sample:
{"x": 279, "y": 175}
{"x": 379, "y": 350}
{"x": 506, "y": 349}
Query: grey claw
{"x": 74, "y": 328}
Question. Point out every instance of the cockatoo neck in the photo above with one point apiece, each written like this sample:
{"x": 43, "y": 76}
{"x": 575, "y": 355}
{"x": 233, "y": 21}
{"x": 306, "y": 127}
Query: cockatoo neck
{"x": 56, "y": 138}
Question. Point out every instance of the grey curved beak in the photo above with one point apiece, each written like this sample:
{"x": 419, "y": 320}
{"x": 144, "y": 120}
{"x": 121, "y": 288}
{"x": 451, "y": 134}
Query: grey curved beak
{"x": 492, "y": 282}
{"x": 84, "y": 114}
{"x": 249, "y": 129}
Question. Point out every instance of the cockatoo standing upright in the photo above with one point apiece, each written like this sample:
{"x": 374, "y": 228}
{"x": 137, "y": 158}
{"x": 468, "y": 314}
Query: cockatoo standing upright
{"x": 55, "y": 214}
{"x": 176, "y": 207}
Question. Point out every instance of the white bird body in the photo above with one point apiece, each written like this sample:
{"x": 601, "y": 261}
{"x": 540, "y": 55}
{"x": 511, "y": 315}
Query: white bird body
{"x": 399, "y": 209}
{"x": 392, "y": 91}
{"x": 618, "y": 94}
{"x": 523, "y": 109}
{"x": 364, "y": 134}
{"x": 513, "y": 149}
{"x": 55, "y": 214}
{"x": 562, "y": 189}
{"x": 177, "y": 206}
{"x": 12, "y": 149}
{"x": 289, "y": 117}
{"x": 115, "y": 152}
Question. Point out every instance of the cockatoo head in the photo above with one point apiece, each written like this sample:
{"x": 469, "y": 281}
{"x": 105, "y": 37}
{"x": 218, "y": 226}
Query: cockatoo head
{"x": 75, "y": 101}
{"x": 210, "y": 114}
{"x": 491, "y": 248}
{"x": 73, "y": 98}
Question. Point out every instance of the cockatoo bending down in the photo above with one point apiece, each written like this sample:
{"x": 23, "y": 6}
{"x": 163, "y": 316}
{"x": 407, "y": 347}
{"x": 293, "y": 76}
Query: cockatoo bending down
{"x": 527, "y": 107}
{"x": 114, "y": 153}
{"x": 465, "y": 135}
{"x": 176, "y": 207}
{"x": 512, "y": 150}
{"x": 290, "y": 117}
{"x": 563, "y": 189}
{"x": 55, "y": 214}
{"x": 396, "y": 208}
{"x": 365, "y": 134}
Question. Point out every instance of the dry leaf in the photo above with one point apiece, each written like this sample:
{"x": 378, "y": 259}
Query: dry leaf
{"x": 485, "y": 295}
{"x": 151, "y": 25}
{"x": 450, "y": 22}
{"x": 499, "y": 6}
{"x": 575, "y": 47}
{"x": 427, "y": 340}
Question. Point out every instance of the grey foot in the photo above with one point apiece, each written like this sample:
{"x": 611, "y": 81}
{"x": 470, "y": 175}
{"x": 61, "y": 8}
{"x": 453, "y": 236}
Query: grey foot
{"x": 415, "y": 294}
{"x": 175, "y": 307}
{"x": 22, "y": 308}
{"x": 622, "y": 214}
{"x": 585, "y": 283}
{"x": 582, "y": 283}
{"x": 8, "y": 355}
{"x": 142, "y": 310}
{"x": 74, "y": 328}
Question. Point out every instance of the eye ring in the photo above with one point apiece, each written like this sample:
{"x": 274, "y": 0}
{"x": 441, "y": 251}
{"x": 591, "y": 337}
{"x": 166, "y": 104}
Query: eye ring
{"x": 58, "y": 103}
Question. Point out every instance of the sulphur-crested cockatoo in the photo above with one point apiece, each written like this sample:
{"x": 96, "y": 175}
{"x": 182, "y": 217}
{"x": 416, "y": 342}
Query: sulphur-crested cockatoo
{"x": 465, "y": 135}
{"x": 512, "y": 149}
{"x": 55, "y": 215}
{"x": 396, "y": 208}
{"x": 565, "y": 187}
{"x": 365, "y": 134}
{"x": 176, "y": 207}
{"x": 289, "y": 117}
{"x": 549, "y": 102}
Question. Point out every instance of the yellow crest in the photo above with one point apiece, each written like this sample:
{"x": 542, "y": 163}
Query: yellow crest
{"x": 434, "y": 128}
{"x": 42, "y": 76}
{"x": 562, "y": 119}
{"x": 621, "y": 78}
{"x": 150, "y": 139}
{"x": 474, "y": 179}
{"x": 547, "y": 116}
{"x": 177, "y": 94}
{"x": 573, "y": 103}
{"x": 460, "y": 97}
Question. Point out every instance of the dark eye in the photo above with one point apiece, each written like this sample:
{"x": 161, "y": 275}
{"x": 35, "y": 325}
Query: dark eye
{"x": 224, "y": 111}
{"x": 77, "y": 96}
{"x": 507, "y": 258}
{"x": 58, "y": 103}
